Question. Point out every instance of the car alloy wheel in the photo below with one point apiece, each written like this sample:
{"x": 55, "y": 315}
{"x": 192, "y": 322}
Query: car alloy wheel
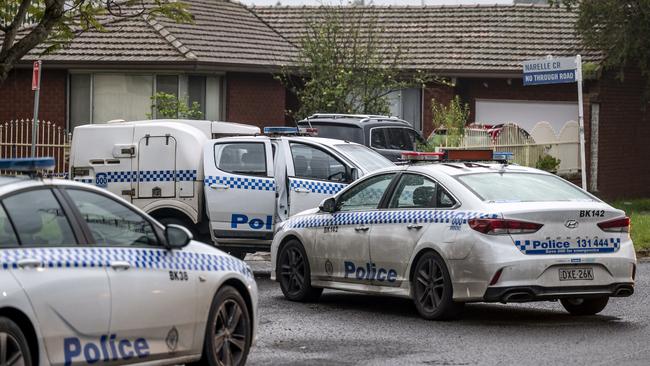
{"x": 292, "y": 271}
{"x": 432, "y": 289}
{"x": 230, "y": 336}
{"x": 10, "y": 351}
{"x": 429, "y": 285}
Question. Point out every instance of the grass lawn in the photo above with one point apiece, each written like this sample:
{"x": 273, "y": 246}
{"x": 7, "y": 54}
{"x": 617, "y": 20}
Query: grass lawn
{"x": 639, "y": 211}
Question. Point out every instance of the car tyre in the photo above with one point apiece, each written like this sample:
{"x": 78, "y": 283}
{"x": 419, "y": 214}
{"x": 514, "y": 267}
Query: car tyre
{"x": 432, "y": 289}
{"x": 13, "y": 344}
{"x": 582, "y": 306}
{"x": 228, "y": 334}
{"x": 294, "y": 273}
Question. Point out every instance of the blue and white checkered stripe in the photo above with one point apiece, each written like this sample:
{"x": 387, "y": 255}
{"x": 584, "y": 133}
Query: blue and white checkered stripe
{"x": 257, "y": 184}
{"x": 537, "y": 247}
{"x": 146, "y": 176}
{"x": 317, "y": 187}
{"x": 138, "y": 258}
{"x": 387, "y": 217}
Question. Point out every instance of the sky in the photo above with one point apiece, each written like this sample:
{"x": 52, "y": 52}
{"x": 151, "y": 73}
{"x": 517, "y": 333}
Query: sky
{"x": 376, "y": 2}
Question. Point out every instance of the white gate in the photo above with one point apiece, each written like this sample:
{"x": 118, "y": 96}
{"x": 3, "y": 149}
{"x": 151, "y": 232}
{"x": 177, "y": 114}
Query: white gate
{"x": 53, "y": 141}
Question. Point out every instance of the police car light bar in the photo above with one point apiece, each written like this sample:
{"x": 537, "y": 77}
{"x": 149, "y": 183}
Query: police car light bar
{"x": 27, "y": 164}
{"x": 502, "y": 156}
{"x": 422, "y": 156}
{"x": 281, "y": 130}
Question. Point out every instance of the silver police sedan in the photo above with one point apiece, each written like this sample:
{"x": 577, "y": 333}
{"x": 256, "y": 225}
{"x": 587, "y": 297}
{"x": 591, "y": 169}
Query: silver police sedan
{"x": 448, "y": 233}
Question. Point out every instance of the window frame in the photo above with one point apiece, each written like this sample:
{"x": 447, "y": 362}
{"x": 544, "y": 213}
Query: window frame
{"x": 347, "y": 167}
{"x": 386, "y": 203}
{"x": 417, "y": 135}
{"x": 266, "y": 158}
{"x": 78, "y": 230}
{"x": 386, "y": 194}
{"x": 158, "y": 228}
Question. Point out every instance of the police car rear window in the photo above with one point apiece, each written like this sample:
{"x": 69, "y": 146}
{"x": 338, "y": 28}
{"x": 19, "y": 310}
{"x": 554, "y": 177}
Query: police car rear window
{"x": 522, "y": 187}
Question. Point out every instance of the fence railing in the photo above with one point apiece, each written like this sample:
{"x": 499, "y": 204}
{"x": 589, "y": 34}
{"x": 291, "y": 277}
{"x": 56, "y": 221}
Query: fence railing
{"x": 525, "y": 150}
{"x": 53, "y": 141}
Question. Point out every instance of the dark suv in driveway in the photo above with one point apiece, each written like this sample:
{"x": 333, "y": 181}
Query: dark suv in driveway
{"x": 389, "y": 136}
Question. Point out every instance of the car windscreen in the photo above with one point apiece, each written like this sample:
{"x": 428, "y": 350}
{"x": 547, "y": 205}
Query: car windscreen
{"x": 393, "y": 138}
{"x": 364, "y": 157}
{"x": 522, "y": 187}
{"x": 337, "y": 131}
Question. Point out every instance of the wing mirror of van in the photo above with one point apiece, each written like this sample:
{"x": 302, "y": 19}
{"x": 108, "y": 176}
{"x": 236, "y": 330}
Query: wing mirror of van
{"x": 328, "y": 205}
{"x": 177, "y": 236}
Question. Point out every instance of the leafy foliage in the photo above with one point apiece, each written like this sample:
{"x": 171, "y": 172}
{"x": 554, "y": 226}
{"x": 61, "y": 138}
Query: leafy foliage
{"x": 451, "y": 118}
{"x": 168, "y": 106}
{"x": 25, "y": 24}
{"x": 344, "y": 68}
{"x": 548, "y": 163}
{"x": 618, "y": 27}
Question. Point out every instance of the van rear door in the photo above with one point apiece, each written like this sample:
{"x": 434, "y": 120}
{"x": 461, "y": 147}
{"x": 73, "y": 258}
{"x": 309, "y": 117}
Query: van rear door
{"x": 240, "y": 190}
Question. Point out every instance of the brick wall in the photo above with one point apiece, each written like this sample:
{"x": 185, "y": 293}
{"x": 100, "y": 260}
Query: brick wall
{"x": 256, "y": 99}
{"x": 17, "y": 97}
{"x": 624, "y": 130}
{"x": 441, "y": 94}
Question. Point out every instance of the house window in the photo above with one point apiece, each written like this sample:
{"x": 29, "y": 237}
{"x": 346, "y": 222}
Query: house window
{"x": 104, "y": 96}
{"x": 407, "y": 105}
{"x": 121, "y": 96}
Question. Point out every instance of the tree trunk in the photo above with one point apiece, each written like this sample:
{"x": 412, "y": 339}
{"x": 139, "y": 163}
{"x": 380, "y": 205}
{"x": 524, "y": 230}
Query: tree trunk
{"x": 54, "y": 11}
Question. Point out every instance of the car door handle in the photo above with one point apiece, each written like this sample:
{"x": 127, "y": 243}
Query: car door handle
{"x": 219, "y": 186}
{"x": 362, "y": 228}
{"x": 30, "y": 263}
{"x": 120, "y": 265}
{"x": 414, "y": 226}
{"x": 302, "y": 190}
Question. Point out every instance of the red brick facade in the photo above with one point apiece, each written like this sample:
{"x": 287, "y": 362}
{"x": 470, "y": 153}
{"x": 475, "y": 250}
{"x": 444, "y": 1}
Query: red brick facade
{"x": 623, "y": 133}
{"x": 256, "y": 99}
{"x": 17, "y": 97}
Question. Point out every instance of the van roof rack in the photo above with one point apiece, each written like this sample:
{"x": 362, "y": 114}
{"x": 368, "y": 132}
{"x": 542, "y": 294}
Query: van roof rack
{"x": 362, "y": 117}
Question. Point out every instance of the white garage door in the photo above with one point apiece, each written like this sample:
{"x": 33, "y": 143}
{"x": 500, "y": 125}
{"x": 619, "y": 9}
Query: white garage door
{"x": 526, "y": 113}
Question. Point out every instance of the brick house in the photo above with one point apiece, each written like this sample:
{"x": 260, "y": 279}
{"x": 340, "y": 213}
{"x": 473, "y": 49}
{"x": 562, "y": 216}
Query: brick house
{"x": 227, "y": 59}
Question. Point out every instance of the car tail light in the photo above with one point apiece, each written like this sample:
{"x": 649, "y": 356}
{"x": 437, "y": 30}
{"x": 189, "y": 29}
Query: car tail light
{"x": 496, "y": 277}
{"x": 503, "y": 227}
{"x": 621, "y": 225}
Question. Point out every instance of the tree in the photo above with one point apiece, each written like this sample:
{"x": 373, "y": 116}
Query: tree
{"x": 169, "y": 106}
{"x": 25, "y": 24}
{"x": 618, "y": 27}
{"x": 342, "y": 67}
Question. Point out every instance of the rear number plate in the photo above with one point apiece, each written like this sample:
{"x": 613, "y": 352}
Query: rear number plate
{"x": 576, "y": 274}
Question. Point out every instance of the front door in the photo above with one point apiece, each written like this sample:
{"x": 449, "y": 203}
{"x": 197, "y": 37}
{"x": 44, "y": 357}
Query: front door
{"x": 154, "y": 296}
{"x": 343, "y": 244}
{"x": 314, "y": 174}
{"x": 418, "y": 204}
{"x": 240, "y": 190}
{"x": 67, "y": 285}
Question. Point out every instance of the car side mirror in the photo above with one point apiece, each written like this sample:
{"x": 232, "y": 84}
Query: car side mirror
{"x": 177, "y": 236}
{"x": 328, "y": 205}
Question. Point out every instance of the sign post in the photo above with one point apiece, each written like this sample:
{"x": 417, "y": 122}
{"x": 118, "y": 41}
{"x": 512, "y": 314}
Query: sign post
{"x": 557, "y": 71}
{"x": 36, "y": 86}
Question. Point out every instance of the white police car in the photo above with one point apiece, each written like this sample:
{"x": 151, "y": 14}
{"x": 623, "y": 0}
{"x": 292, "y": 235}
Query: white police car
{"x": 449, "y": 233}
{"x": 87, "y": 278}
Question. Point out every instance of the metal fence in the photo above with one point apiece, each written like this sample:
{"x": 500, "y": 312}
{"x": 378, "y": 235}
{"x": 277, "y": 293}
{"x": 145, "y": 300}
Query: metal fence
{"x": 53, "y": 141}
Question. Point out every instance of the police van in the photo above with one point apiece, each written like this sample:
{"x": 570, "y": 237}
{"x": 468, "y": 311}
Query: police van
{"x": 229, "y": 190}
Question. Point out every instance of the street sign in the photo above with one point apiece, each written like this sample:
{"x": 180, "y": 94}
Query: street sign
{"x": 557, "y": 71}
{"x": 36, "y": 75}
{"x": 550, "y": 71}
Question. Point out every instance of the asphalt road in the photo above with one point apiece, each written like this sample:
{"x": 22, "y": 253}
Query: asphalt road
{"x": 349, "y": 329}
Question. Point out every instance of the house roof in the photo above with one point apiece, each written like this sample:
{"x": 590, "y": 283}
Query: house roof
{"x": 495, "y": 38}
{"x": 223, "y": 33}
